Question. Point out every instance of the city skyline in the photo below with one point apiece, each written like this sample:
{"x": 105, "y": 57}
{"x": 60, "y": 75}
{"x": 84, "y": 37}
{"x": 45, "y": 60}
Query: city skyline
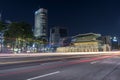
{"x": 78, "y": 16}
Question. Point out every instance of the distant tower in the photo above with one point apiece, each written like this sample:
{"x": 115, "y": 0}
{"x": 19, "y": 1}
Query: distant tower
{"x": 57, "y": 33}
{"x": 0, "y": 17}
{"x": 40, "y": 30}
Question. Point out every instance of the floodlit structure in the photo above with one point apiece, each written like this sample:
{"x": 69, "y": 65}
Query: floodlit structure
{"x": 88, "y": 42}
{"x": 40, "y": 29}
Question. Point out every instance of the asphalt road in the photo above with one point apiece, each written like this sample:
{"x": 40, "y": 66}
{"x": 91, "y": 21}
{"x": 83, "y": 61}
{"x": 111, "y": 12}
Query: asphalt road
{"x": 93, "y": 68}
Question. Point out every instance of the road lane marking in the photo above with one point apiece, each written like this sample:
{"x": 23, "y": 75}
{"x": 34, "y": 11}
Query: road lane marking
{"x": 44, "y": 75}
{"x": 93, "y": 62}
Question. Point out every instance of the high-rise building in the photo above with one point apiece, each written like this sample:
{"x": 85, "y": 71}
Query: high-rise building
{"x": 106, "y": 40}
{"x": 40, "y": 29}
{"x": 57, "y": 34}
{"x": 115, "y": 42}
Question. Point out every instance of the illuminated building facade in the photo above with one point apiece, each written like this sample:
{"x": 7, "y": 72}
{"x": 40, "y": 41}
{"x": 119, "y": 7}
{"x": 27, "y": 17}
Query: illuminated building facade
{"x": 40, "y": 30}
{"x": 88, "y": 42}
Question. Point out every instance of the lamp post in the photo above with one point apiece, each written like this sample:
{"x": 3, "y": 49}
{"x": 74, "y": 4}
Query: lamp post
{"x": 2, "y": 38}
{"x": 1, "y": 41}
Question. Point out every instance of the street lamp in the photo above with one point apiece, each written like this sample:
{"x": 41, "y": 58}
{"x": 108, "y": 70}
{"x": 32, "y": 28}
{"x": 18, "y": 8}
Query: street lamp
{"x": 2, "y": 39}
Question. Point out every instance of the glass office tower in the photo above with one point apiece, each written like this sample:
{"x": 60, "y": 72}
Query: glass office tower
{"x": 40, "y": 30}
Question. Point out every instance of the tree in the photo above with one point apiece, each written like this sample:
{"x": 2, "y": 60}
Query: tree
{"x": 19, "y": 30}
{"x": 2, "y": 26}
{"x": 18, "y": 33}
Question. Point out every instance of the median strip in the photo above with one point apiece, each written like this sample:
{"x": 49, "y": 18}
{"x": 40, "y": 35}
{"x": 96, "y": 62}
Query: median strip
{"x": 40, "y": 60}
{"x": 47, "y": 59}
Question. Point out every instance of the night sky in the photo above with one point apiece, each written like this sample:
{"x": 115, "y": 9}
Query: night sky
{"x": 79, "y": 16}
